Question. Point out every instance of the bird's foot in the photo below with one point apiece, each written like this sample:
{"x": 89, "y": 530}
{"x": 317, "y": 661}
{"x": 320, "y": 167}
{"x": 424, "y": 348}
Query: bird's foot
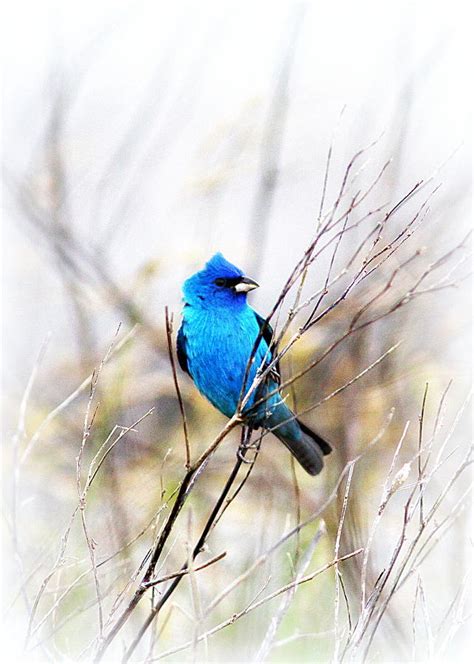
{"x": 243, "y": 447}
{"x": 240, "y": 455}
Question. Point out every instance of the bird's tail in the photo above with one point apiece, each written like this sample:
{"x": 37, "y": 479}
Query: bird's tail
{"x": 305, "y": 445}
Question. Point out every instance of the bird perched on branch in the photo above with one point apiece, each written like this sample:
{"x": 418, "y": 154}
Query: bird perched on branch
{"x": 219, "y": 334}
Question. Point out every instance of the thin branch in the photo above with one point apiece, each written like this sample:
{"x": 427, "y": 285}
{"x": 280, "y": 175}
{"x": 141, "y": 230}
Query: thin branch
{"x": 183, "y": 572}
{"x": 169, "y": 337}
{"x": 420, "y": 445}
{"x": 336, "y": 566}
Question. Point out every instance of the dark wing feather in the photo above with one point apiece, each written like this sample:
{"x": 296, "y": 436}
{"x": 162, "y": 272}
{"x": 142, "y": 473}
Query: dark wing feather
{"x": 181, "y": 350}
{"x": 267, "y": 334}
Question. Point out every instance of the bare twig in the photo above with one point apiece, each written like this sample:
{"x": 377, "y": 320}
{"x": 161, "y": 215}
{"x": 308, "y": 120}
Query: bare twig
{"x": 420, "y": 444}
{"x": 169, "y": 337}
{"x": 336, "y": 566}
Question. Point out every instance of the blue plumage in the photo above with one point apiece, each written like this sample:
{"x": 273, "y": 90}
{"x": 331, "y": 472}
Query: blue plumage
{"x": 215, "y": 341}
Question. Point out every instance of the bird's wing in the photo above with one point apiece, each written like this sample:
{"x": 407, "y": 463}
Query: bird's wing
{"x": 181, "y": 350}
{"x": 267, "y": 334}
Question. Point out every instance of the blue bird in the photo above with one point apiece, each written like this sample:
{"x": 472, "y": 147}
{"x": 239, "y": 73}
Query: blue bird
{"x": 215, "y": 341}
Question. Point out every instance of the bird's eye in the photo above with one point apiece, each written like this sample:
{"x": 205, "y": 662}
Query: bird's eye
{"x": 220, "y": 282}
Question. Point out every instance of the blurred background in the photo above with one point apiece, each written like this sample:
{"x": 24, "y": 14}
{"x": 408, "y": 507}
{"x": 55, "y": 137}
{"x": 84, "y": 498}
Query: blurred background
{"x": 141, "y": 137}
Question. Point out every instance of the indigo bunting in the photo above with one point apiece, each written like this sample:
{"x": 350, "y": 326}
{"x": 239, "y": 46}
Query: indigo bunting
{"x": 215, "y": 341}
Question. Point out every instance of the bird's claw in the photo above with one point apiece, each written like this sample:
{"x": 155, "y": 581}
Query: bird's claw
{"x": 241, "y": 456}
{"x": 249, "y": 446}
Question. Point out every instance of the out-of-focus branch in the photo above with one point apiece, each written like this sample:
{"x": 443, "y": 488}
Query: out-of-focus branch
{"x": 270, "y": 634}
{"x": 272, "y": 141}
{"x": 407, "y": 549}
{"x": 66, "y": 402}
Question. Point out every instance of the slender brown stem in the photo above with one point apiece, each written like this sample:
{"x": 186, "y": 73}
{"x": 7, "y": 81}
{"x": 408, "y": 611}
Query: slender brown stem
{"x": 169, "y": 338}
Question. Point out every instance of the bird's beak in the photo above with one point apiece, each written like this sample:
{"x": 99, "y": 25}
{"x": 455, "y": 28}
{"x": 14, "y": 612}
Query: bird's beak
{"x": 245, "y": 285}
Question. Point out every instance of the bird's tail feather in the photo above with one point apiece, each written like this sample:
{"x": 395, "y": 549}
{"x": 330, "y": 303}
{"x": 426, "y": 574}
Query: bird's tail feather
{"x": 308, "y": 448}
{"x": 323, "y": 444}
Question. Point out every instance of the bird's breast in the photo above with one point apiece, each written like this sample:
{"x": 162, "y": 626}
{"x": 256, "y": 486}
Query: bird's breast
{"x": 218, "y": 347}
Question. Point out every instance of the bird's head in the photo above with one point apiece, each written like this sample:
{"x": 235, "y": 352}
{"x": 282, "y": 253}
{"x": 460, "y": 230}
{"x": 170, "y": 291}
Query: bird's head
{"x": 219, "y": 283}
